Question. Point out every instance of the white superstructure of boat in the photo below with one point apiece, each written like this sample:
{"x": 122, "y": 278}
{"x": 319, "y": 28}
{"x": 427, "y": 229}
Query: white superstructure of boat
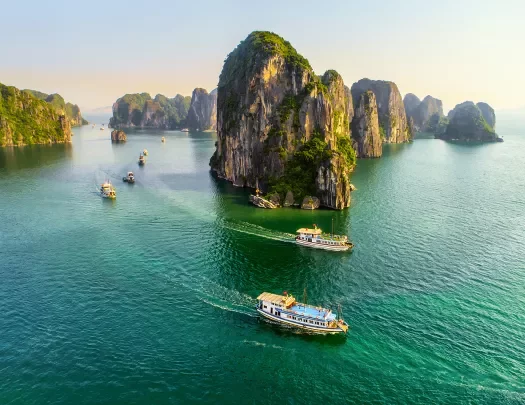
{"x": 107, "y": 190}
{"x": 285, "y": 309}
{"x": 315, "y": 238}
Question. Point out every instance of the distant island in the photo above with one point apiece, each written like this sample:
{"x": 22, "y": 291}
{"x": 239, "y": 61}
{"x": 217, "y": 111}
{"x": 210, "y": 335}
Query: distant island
{"x": 71, "y": 111}
{"x": 26, "y": 119}
{"x": 467, "y": 122}
{"x": 139, "y": 110}
{"x": 286, "y": 131}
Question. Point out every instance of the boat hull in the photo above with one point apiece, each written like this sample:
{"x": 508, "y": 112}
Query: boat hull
{"x": 300, "y": 325}
{"x": 337, "y": 248}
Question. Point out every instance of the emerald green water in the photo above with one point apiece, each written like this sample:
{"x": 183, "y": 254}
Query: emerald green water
{"x": 150, "y": 298}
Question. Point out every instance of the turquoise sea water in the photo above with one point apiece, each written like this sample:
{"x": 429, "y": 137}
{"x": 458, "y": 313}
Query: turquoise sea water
{"x": 149, "y": 299}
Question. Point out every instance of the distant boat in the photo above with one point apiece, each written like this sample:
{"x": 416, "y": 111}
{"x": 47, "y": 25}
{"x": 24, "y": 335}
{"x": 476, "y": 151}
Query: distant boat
{"x": 315, "y": 238}
{"x": 286, "y": 310}
{"x": 102, "y": 128}
{"x": 185, "y": 130}
{"x": 163, "y": 139}
{"x": 107, "y": 190}
{"x": 142, "y": 160}
{"x": 130, "y": 178}
{"x": 145, "y": 152}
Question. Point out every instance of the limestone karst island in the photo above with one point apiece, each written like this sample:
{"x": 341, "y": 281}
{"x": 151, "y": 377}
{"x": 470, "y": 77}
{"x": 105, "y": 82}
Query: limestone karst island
{"x": 278, "y": 202}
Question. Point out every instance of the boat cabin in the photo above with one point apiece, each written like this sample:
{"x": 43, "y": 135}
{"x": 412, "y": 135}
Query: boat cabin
{"x": 285, "y": 309}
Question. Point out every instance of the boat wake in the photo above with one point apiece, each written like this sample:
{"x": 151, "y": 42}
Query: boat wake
{"x": 256, "y": 230}
{"x": 221, "y": 297}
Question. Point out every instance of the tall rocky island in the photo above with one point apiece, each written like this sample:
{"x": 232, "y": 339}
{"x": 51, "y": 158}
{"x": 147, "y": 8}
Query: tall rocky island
{"x": 141, "y": 111}
{"x": 472, "y": 123}
{"x": 26, "y": 119}
{"x": 202, "y": 114}
{"x": 280, "y": 127}
{"x": 71, "y": 111}
{"x": 426, "y": 115}
{"x": 393, "y": 124}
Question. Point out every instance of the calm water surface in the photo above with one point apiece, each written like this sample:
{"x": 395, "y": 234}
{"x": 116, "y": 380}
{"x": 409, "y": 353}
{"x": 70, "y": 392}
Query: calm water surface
{"x": 150, "y": 298}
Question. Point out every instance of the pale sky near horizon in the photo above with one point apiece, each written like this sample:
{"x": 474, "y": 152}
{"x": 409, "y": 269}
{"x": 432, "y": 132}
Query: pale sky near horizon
{"x": 94, "y": 52}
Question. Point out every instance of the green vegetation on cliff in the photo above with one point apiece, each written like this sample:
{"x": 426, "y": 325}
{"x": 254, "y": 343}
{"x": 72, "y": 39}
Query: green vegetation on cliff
{"x": 257, "y": 47}
{"x": 140, "y": 110}
{"x": 467, "y": 123}
{"x": 26, "y": 120}
{"x": 71, "y": 111}
{"x": 301, "y": 169}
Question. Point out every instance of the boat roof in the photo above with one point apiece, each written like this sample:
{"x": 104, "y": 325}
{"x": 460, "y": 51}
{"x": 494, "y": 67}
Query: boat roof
{"x": 276, "y": 299}
{"x": 315, "y": 231}
{"x": 312, "y": 312}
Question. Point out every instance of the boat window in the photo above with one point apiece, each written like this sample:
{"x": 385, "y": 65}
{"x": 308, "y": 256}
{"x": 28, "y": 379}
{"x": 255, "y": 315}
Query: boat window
{"x": 265, "y": 307}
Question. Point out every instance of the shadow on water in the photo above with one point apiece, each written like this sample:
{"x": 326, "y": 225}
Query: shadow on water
{"x": 31, "y": 156}
{"x": 283, "y": 331}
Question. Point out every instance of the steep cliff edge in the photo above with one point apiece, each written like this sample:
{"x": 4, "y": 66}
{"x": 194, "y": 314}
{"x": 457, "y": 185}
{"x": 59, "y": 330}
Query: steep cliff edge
{"x": 279, "y": 126}
{"x": 202, "y": 114}
{"x": 141, "y": 111}
{"x": 365, "y": 127}
{"x": 427, "y": 115}
{"x": 71, "y": 111}
{"x": 26, "y": 120}
{"x": 488, "y": 114}
{"x": 411, "y": 102}
{"x": 468, "y": 124}
{"x": 393, "y": 123}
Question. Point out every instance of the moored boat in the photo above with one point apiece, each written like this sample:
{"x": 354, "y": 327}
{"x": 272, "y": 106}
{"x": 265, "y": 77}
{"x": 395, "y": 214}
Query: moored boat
{"x": 286, "y": 310}
{"x": 163, "y": 139}
{"x": 142, "y": 160}
{"x": 107, "y": 190}
{"x": 185, "y": 130}
{"x": 130, "y": 178}
{"x": 145, "y": 152}
{"x": 315, "y": 238}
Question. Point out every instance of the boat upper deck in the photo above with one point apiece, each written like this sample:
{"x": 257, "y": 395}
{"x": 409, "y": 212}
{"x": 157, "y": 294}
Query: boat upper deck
{"x": 312, "y": 312}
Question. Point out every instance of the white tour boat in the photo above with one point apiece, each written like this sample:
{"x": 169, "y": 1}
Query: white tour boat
{"x": 107, "y": 190}
{"x": 284, "y": 309}
{"x": 315, "y": 238}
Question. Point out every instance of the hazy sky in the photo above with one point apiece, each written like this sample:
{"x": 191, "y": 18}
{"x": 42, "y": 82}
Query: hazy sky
{"x": 92, "y": 52}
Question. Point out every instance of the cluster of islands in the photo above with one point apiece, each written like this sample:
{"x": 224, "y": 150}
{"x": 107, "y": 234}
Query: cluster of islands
{"x": 290, "y": 134}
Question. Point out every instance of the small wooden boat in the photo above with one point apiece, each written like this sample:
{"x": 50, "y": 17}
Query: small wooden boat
{"x": 107, "y": 190}
{"x": 130, "y": 178}
{"x": 286, "y": 310}
{"x": 142, "y": 160}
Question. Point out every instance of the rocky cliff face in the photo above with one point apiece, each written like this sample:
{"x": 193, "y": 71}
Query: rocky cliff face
{"x": 279, "y": 126}
{"x": 392, "y": 117}
{"x": 141, "y": 111}
{"x": 365, "y": 127}
{"x": 71, "y": 111}
{"x": 26, "y": 120}
{"x": 488, "y": 114}
{"x": 426, "y": 115}
{"x": 468, "y": 124}
{"x": 411, "y": 102}
{"x": 117, "y": 136}
{"x": 202, "y": 114}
